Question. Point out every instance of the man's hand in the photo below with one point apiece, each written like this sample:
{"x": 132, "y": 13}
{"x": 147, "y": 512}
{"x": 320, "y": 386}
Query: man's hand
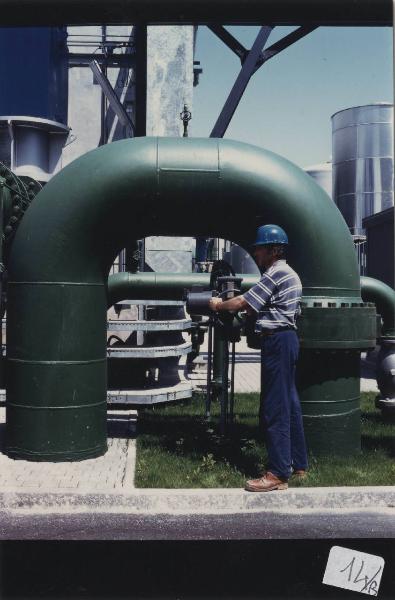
{"x": 214, "y": 302}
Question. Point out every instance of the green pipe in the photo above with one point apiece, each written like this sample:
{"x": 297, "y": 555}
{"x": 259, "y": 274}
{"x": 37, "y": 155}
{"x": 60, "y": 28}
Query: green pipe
{"x": 218, "y": 359}
{"x": 374, "y": 290}
{"x": 3, "y": 200}
{"x": 166, "y": 286}
{"x": 152, "y": 285}
{"x": 69, "y": 237}
{"x": 160, "y": 286}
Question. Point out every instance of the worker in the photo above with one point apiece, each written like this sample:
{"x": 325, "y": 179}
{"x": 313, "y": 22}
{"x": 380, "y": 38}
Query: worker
{"x": 275, "y": 300}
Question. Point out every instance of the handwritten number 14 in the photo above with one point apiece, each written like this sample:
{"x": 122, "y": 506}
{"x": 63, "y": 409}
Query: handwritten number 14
{"x": 370, "y": 585}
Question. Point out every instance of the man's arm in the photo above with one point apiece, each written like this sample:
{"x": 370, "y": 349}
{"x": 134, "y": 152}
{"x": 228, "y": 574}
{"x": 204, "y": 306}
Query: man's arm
{"x": 256, "y": 298}
{"x": 233, "y": 305}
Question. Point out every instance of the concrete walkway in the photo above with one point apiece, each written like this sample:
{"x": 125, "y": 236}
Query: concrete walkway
{"x": 112, "y": 472}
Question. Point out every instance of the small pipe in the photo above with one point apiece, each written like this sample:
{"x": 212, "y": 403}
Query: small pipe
{"x": 217, "y": 359}
{"x": 209, "y": 363}
{"x": 374, "y": 290}
{"x": 232, "y": 384}
{"x": 224, "y": 386}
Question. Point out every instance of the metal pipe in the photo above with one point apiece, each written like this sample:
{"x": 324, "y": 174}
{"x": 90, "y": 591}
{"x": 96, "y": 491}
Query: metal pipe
{"x": 374, "y": 290}
{"x": 2, "y": 269}
{"x": 68, "y": 239}
{"x": 153, "y": 285}
{"x": 172, "y": 285}
{"x": 224, "y": 395}
{"x": 218, "y": 353}
{"x": 209, "y": 365}
{"x": 232, "y": 384}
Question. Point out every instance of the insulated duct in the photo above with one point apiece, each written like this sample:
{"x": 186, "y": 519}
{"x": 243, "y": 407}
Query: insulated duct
{"x": 69, "y": 237}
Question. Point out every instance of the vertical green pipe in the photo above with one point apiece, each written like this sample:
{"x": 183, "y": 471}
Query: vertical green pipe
{"x": 218, "y": 360}
{"x": 224, "y": 397}
{"x": 2, "y": 268}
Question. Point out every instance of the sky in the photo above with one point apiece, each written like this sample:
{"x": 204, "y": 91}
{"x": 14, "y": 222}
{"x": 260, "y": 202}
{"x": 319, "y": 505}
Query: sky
{"x": 288, "y": 103}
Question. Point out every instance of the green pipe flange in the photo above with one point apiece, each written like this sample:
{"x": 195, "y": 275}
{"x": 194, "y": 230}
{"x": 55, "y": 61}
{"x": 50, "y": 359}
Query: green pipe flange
{"x": 340, "y": 327}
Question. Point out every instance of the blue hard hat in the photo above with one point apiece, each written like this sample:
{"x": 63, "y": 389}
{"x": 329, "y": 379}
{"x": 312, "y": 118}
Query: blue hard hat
{"x": 270, "y": 234}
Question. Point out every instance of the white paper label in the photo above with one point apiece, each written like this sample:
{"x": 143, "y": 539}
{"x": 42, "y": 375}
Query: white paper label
{"x": 354, "y": 570}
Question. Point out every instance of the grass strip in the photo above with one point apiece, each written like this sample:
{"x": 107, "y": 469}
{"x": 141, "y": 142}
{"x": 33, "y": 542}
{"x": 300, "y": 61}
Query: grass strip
{"x": 178, "y": 448}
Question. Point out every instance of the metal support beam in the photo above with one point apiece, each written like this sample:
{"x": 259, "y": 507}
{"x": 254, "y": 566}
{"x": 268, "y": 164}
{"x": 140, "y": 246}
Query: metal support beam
{"x": 264, "y": 56}
{"x": 140, "y": 40}
{"x": 285, "y": 42}
{"x": 242, "y": 52}
{"x": 230, "y": 41}
{"x": 117, "y": 61}
{"x": 241, "y": 83}
{"x": 112, "y": 98}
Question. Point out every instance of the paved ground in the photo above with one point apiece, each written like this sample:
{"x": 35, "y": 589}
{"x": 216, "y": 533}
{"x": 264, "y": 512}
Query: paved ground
{"x": 112, "y": 472}
{"x": 186, "y": 527}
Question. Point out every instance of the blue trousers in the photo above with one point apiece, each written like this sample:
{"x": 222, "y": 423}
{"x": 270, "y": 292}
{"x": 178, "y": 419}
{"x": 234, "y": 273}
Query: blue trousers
{"x": 280, "y": 411}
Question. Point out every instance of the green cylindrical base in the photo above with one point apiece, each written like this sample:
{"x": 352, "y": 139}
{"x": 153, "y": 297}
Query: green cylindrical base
{"x": 56, "y": 436}
{"x": 328, "y": 385}
{"x": 56, "y": 386}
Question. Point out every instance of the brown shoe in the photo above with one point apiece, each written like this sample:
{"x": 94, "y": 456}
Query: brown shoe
{"x": 267, "y": 483}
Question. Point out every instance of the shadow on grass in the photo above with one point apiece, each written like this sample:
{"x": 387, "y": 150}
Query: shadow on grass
{"x": 384, "y": 442}
{"x": 374, "y": 417}
{"x": 183, "y": 432}
{"x": 193, "y": 437}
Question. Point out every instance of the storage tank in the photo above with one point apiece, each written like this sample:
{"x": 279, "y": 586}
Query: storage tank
{"x": 33, "y": 100}
{"x": 363, "y": 162}
{"x": 322, "y": 174}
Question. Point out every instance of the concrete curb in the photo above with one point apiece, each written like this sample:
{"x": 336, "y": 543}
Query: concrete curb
{"x": 201, "y": 501}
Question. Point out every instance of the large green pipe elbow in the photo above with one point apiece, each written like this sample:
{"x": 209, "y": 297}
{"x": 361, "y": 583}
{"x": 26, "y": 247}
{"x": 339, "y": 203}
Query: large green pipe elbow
{"x": 374, "y": 290}
{"x": 69, "y": 237}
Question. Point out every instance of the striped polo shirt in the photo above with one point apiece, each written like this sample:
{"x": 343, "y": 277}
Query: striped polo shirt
{"x": 276, "y": 297}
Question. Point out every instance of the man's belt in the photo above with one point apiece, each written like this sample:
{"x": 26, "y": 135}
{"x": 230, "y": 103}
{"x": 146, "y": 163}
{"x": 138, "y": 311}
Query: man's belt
{"x": 266, "y": 332}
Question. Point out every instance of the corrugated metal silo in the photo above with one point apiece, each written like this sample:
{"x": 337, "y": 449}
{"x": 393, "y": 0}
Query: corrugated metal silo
{"x": 363, "y": 162}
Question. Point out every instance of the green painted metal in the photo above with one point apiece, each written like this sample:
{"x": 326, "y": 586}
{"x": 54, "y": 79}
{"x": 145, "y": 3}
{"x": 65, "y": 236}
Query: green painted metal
{"x": 153, "y": 285}
{"x": 328, "y": 383}
{"x": 340, "y": 327}
{"x": 218, "y": 360}
{"x": 374, "y": 290}
{"x": 161, "y": 286}
{"x": 16, "y": 193}
{"x": 69, "y": 237}
{"x": 4, "y": 195}
{"x": 248, "y": 12}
